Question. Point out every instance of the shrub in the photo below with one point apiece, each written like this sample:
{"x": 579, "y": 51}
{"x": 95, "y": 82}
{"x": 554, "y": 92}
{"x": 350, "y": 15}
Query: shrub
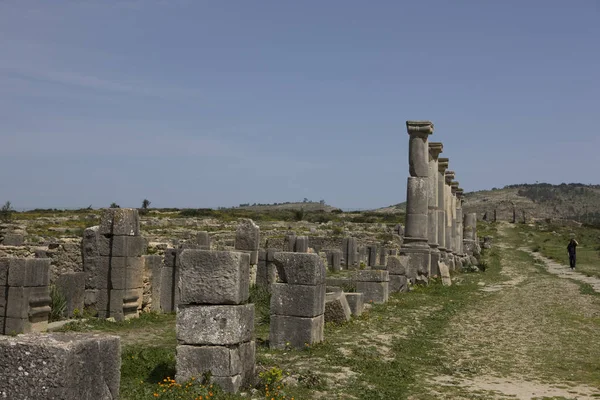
{"x": 6, "y": 212}
{"x": 58, "y": 304}
{"x": 261, "y": 298}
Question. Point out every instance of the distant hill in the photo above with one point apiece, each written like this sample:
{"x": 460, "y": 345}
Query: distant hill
{"x": 572, "y": 201}
{"x": 306, "y": 205}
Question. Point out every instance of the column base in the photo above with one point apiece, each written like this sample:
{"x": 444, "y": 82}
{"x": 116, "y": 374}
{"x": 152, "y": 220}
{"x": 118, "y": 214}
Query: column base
{"x": 418, "y": 261}
{"x": 436, "y": 258}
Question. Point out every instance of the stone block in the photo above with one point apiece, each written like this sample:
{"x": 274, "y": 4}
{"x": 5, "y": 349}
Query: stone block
{"x": 372, "y": 256}
{"x": 289, "y": 243}
{"x": 14, "y": 326}
{"x": 215, "y": 325}
{"x": 398, "y": 283}
{"x": 334, "y": 260}
{"x": 17, "y": 302}
{"x": 17, "y": 271}
{"x": 13, "y": 239}
{"x": 89, "y": 242}
{"x": 376, "y": 292}
{"x": 247, "y": 235}
{"x": 301, "y": 244}
{"x": 297, "y": 300}
{"x": 337, "y": 309}
{"x": 72, "y": 286}
{"x": 4, "y": 266}
{"x": 38, "y": 272}
{"x": 355, "y": 302}
{"x": 171, "y": 259}
{"x": 169, "y": 290}
{"x": 195, "y": 361}
{"x": 203, "y": 239}
{"x": 60, "y": 366}
{"x": 248, "y": 357}
{"x": 397, "y": 265}
{"x": 300, "y": 268}
{"x": 373, "y": 275}
{"x": 121, "y": 246}
{"x": 295, "y": 332}
{"x": 214, "y": 277}
{"x": 120, "y": 222}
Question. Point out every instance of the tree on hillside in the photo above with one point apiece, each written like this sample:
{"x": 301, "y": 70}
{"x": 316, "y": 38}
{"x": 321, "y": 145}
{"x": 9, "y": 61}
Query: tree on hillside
{"x": 145, "y": 205}
{"x": 6, "y": 212}
{"x": 114, "y": 205}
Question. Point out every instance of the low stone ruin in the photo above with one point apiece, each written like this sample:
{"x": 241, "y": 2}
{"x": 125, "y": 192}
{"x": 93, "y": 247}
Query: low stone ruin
{"x": 215, "y": 326}
{"x": 24, "y": 295}
{"x": 298, "y": 303}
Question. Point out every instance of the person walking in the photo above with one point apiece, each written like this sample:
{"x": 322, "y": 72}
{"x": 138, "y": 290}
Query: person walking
{"x": 572, "y": 249}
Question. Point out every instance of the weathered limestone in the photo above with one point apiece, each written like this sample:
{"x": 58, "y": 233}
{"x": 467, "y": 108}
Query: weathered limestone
{"x": 356, "y": 302}
{"x": 459, "y": 222}
{"x": 372, "y": 256}
{"x": 350, "y": 253}
{"x": 383, "y": 254}
{"x": 301, "y": 244}
{"x": 170, "y": 292}
{"x": 442, "y": 167}
{"x": 72, "y": 286}
{"x": 334, "y": 260}
{"x": 396, "y": 267}
{"x": 470, "y": 232}
{"x": 215, "y": 328}
{"x": 60, "y": 366}
{"x": 374, "y": 285}
{"x": 297, "y": 304}
{"x": 24, "y": 295}
{"x": 432, "y": 212}
{"x": 337, "y": 309}
{"x": 112, "y": 260}
{"x": 455, "y": 248}
{"x": 266, "y": 272}
{"x": 247, "y": 239}
{"x": 415, "y": 244}
{"x": 450, "y": 215}
{"x": 153, "y": 265}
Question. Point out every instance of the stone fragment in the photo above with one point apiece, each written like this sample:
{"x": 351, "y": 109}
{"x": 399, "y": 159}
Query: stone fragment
{"x": 374, "y": 275}
{"x": 297, "y": 300}
{"x": 60, "y": 366}
{"x": 120, "y": 222}
{"x": 247, "y": 236}
{"x": 396, "y": 265}
{"x": 300, "y": 268}
{"x": 334, "y": 260}
{"x": 337, "y": 309}
{"x": 215, "y": 325}
{"x": 13, "y": 239}
{"x": 295, "y": 332}
{"x": 445, "y": 274}
{"x": 214, "y": 277}
{"x": 355, "y": 302}
{"x": 398, "y": 283}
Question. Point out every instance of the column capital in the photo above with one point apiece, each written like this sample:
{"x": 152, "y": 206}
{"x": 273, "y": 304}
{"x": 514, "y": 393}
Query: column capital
{"x": 454, "y": 186}
{"x": 443, "y": 164}
{"x": 449, "y": 175}
{"x": 435, "y": 149}
{"x": 459, "y": 193}
{"x": 419, "y": 128}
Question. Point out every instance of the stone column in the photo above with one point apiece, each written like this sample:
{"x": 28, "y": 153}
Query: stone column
{"x": 416, "y": 246}
{"x": 442, "y": 167}
{"x": 453, "y": 188}
{"x": 459, "y": 221}
{"x": 448, "y": 177}
{"x": 469, "y": 229}
{"x": 432, "y": 213}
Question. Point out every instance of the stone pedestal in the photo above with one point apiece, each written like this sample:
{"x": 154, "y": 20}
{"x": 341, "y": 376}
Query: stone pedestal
{"x": 469, "y": 233}
{"x": 374, "y": 285}
{"x": 215, "y": 328}
{"x": 297, "y": 304}
{"x": 442, "y": 166}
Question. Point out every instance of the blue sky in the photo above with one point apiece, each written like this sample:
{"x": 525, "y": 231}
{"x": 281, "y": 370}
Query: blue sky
{"x": 206, "y": 104}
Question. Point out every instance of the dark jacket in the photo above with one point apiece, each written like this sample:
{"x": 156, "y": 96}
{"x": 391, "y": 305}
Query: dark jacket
{"x": 572, "y": 246}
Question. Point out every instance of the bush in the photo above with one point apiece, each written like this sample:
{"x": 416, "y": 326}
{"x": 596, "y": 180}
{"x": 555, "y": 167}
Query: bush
{"x": 58, "y": 304}
{"x": 261, "y": 298}
{"x": 6, "y": 212}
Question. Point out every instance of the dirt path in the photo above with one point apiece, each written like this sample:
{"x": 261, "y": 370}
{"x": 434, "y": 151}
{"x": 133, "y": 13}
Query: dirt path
{"x": 531, "y": 336}
{"x": 562, "y": 271}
